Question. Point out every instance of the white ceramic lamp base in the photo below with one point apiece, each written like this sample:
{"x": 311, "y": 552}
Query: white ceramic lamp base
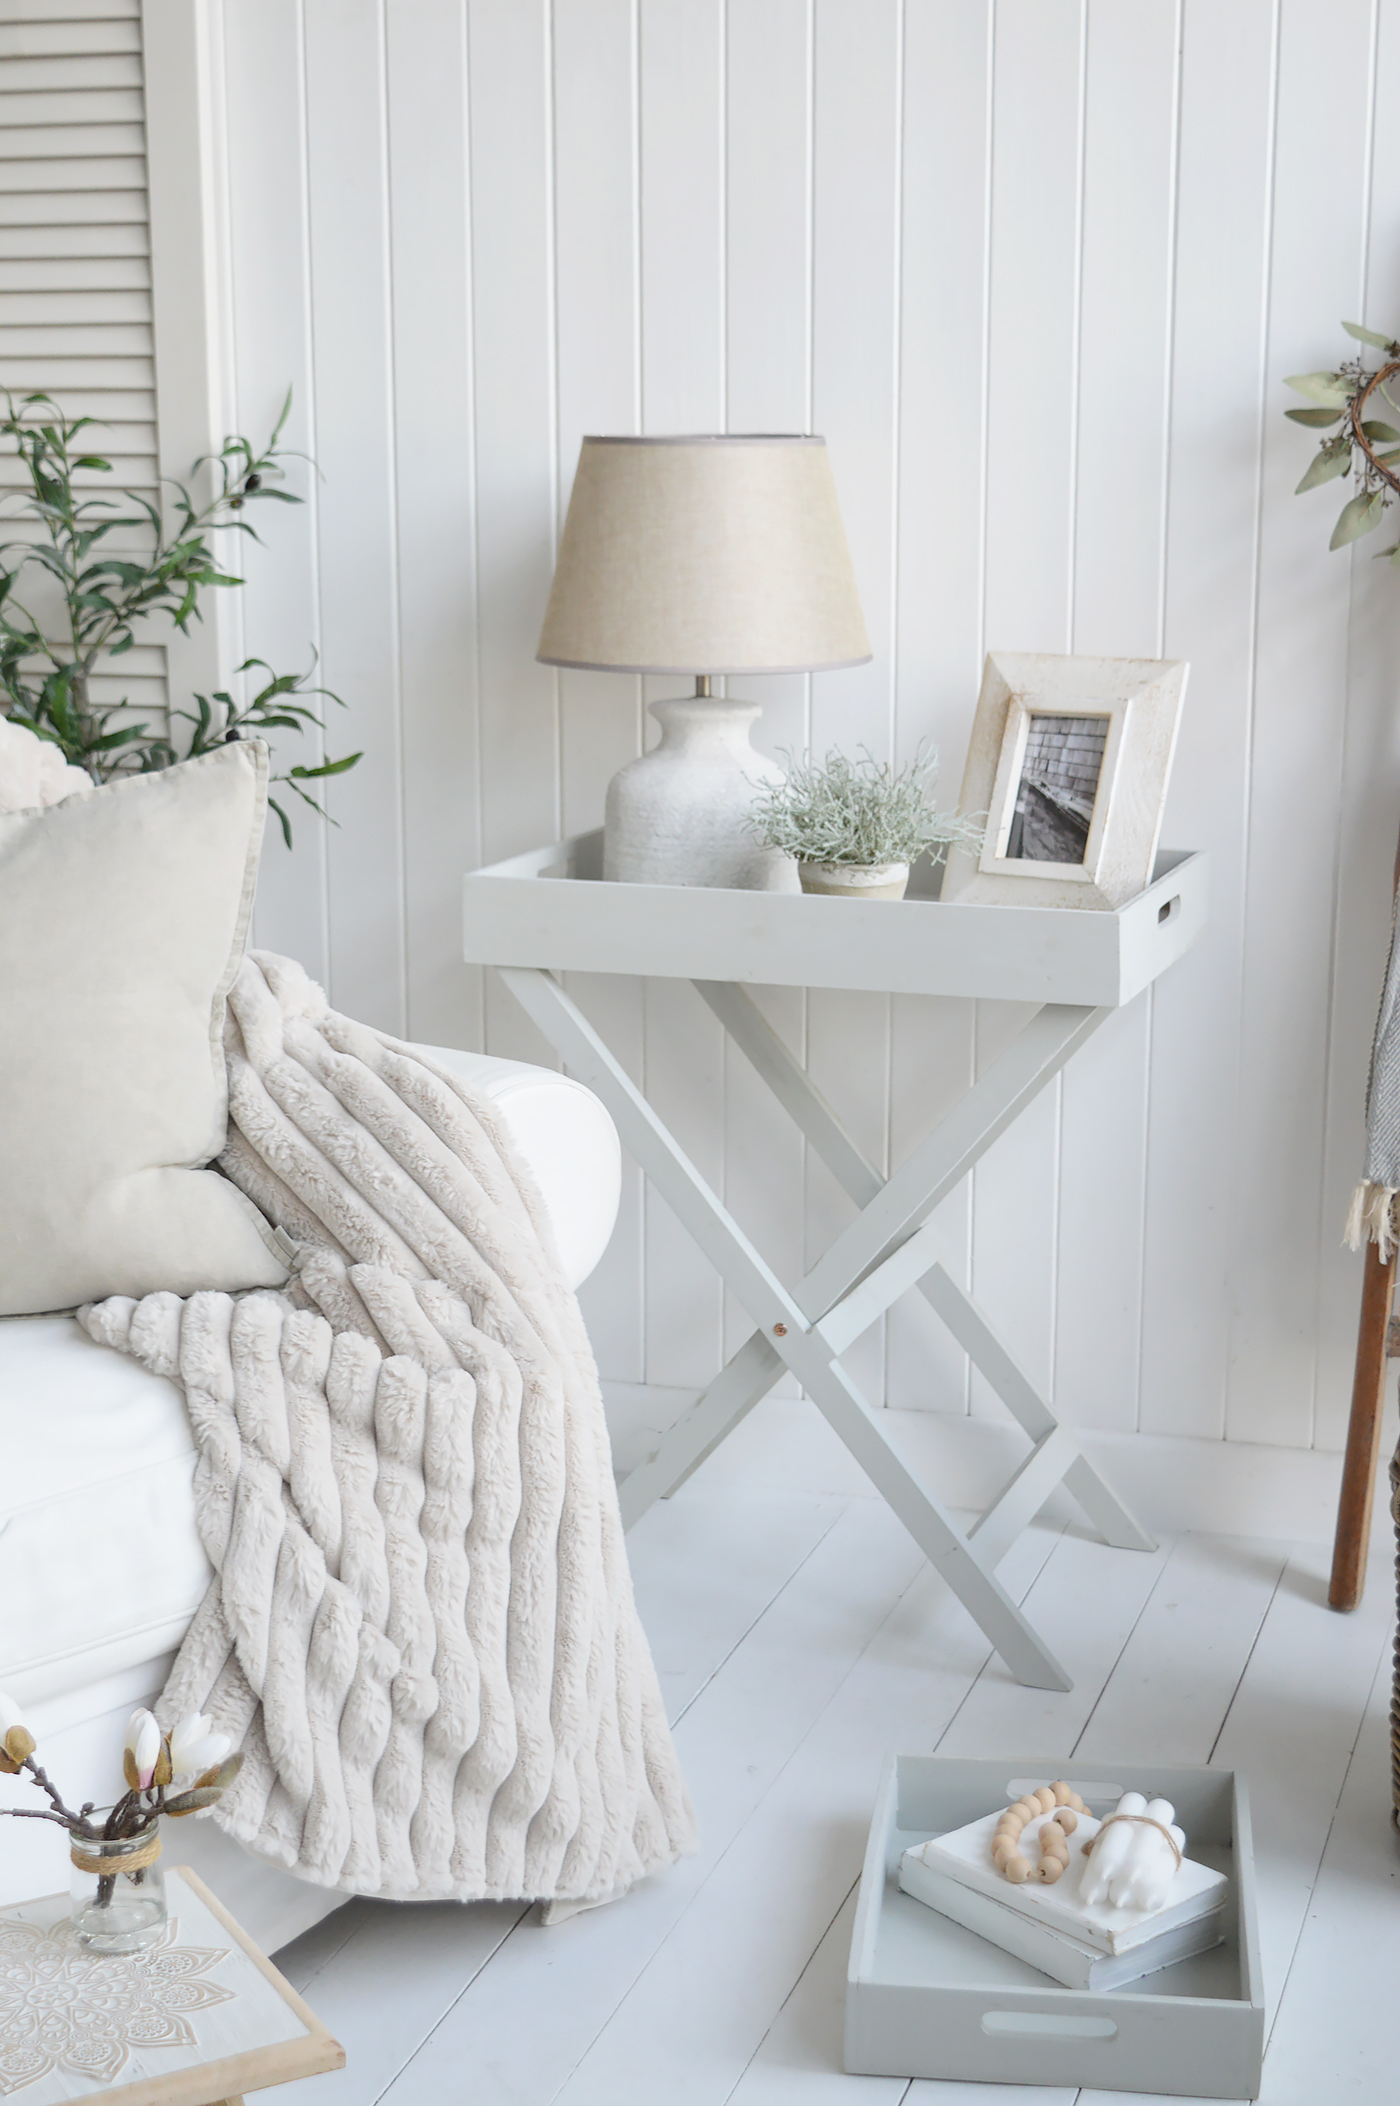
{"x": 678, "y": 815}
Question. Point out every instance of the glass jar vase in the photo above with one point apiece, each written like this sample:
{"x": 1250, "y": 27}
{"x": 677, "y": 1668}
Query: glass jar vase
{"x": 118, "y": 1892}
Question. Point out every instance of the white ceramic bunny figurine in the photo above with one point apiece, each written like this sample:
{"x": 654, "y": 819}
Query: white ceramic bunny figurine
{"x": 1132, "y": 1862}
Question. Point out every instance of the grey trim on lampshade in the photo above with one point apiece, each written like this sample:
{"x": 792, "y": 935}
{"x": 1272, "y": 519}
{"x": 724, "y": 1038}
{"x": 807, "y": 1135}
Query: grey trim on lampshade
{"x": 593, "y": 665}
{"x": 706, "y": 438}
{"x": 704, "y": 554}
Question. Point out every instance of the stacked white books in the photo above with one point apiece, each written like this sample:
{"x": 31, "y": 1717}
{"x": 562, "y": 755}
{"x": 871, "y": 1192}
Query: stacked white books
{"x": 1085, "y": 1945}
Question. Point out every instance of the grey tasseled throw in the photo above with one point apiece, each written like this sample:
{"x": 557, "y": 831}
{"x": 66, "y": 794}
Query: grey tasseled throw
{"x": 422, "y": 1629}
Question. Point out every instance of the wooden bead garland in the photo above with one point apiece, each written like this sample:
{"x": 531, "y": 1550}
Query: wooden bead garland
{"x": 1011, "y": 1861}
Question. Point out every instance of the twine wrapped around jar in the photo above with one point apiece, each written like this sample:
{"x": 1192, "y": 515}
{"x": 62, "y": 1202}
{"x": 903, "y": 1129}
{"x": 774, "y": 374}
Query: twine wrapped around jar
{"x": 106, "y": 1861}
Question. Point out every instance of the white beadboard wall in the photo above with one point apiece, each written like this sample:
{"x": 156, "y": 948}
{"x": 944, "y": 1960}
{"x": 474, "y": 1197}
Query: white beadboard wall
{"x": 1035, "y": 268}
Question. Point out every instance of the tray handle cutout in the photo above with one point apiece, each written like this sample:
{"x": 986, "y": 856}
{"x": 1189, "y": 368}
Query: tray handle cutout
{"x": 1170, "y": 908}
{"x": 1017, "y": 1787}
{"x": 1046, "y": 2025}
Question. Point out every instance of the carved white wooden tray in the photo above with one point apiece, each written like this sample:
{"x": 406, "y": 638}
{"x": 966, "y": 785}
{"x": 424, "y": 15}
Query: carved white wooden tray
{"x": 201, "y": 2016}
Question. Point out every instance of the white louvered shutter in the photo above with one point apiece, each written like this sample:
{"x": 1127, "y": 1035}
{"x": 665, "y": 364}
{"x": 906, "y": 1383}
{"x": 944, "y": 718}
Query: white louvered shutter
{"x": 75, "y": 300}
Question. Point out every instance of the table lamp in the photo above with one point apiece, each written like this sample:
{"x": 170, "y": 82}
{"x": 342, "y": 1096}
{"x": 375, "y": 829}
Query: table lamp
{"x": 701, "y": 556}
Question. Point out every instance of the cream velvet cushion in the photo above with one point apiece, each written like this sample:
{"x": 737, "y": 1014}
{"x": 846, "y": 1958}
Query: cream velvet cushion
{"x": 123, "y": 918}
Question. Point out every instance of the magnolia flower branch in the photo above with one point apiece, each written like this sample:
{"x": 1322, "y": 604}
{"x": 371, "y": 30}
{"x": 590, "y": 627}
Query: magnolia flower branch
{"x": 151, "y": 1763}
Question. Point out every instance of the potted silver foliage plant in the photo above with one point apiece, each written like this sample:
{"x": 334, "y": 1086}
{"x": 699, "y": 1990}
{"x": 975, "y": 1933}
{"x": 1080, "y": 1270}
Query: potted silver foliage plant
{"x": 855, "y": 826}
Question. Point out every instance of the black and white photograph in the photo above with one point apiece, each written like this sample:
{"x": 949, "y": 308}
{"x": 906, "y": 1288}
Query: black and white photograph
{"x": 1059, "y": 784}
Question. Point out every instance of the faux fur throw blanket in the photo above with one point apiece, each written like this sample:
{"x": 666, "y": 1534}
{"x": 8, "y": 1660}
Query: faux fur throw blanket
{"x": 422, "y": 1629}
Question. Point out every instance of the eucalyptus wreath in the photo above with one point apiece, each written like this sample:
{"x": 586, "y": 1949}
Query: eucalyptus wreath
{"x": 100, "y": 593}
{"x": 1363, "y": 445}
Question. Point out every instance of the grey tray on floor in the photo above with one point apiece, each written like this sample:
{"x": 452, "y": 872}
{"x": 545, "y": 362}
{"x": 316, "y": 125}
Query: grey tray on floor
{"x": 926, "y": 1998}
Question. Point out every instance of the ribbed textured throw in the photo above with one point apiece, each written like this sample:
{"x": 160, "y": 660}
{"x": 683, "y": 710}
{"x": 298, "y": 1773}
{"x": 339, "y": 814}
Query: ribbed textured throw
{"x": 422, "y": 1629}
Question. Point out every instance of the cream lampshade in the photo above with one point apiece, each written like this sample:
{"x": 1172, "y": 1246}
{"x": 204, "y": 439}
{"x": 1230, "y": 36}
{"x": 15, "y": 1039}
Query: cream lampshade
{"x": 701, "y": 556}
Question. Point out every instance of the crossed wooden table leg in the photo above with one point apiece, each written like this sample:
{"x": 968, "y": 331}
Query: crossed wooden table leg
{"x": 888, "y": 1249}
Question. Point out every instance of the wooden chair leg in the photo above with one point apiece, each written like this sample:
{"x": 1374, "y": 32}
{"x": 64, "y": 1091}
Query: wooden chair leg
{"x": 1363, "y": 1435}
{"x": 1395, "y": 1668}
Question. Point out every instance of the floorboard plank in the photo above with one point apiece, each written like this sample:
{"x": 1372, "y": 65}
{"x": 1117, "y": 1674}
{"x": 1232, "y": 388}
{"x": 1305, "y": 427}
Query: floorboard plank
{"x": 690, "y": 2026}
{"x": 1333, "y": 2038}
{"x": 1291, "y": 1730}
{"x": 1090, "y": 1597}
{"x": 1171, "y": 1688}
{"x": 1162, "y": 2098}
{"x": 305, "y": 1957}
{"x": 523, "y": 2026}
{"x": 704, "y": 1569}
{"x": 391, "y": 1984}
{"x": 925, "y": 2091}
{"x": 798, "y": 2062}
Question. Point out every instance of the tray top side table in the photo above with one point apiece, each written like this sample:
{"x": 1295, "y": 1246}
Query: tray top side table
{"x": 548, "y": 912}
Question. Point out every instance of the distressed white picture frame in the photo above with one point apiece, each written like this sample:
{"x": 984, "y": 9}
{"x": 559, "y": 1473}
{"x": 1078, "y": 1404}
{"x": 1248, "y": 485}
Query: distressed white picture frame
{"x": 1140, "y": 700}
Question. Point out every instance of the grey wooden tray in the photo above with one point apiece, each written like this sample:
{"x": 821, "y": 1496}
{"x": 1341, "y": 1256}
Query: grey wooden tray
{"x": 926, "y": 1998}
{"x": 550, "y": 908}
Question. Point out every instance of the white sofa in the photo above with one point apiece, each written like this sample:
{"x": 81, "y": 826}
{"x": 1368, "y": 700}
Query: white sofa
{"x": 100, "y": 1565}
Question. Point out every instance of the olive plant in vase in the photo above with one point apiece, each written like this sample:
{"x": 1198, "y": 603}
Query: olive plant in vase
{"x": 855, "y": 826}
{"x": 118, "y": 1889}
{"x": 90, "y": 576}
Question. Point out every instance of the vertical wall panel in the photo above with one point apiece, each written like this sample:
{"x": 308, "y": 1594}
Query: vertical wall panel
{"x": 1369, "y": 806}
{"x": 941, "y": 530}
{"x": 1036, "y": 147}
{"x": 1226, "y": 133}
{"x": 435, "y": 501}
{"x": 597, "y": 278}
{"x": 682, "y": 166}
{"x": 1036, "y": 270}
{"x": 513, "y": 348}
{"x": 1120, "y": 500}
{"x": 270, "y": 278}
{"x": 347, "y": 159}
{"x": 513, "y": 319}
{"x": 768, "y": 208}
{"x": 1037, "y": 143}
{"x": 1316, "y": 275}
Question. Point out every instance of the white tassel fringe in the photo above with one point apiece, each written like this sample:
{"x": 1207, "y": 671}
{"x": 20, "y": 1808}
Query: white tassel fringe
{"x": 1371, "y": 1218}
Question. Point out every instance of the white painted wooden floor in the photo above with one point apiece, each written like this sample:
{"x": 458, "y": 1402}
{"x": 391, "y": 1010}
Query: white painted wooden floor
{"x": 799, "y": 1637}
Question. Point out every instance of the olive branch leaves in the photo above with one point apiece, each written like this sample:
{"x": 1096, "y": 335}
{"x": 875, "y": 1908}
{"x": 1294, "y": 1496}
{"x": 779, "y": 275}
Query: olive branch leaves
{"x": 105, "y": 589}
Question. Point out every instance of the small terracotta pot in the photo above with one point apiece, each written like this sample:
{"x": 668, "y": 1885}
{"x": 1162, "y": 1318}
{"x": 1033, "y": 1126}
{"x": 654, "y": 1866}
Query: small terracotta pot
{"x": 852, "y": 881}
